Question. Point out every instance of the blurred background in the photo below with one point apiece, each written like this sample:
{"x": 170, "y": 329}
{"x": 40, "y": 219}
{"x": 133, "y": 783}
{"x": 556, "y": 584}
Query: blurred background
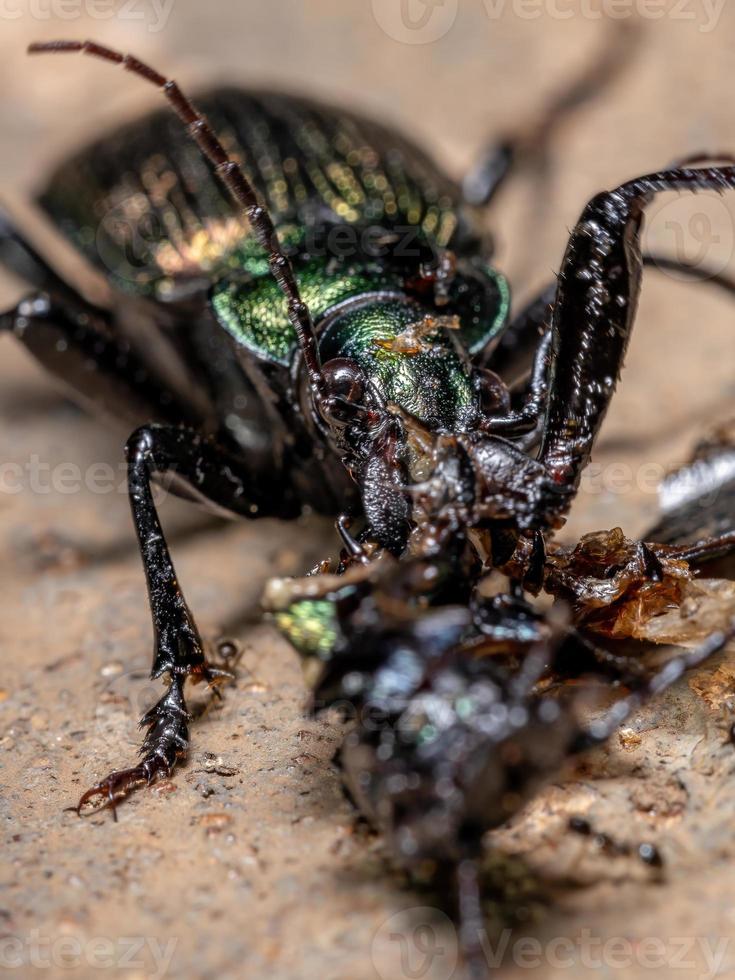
{"x": 249, "y": 861}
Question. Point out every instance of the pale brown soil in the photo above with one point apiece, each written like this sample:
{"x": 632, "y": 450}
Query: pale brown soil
{"x": 249, "y": 862}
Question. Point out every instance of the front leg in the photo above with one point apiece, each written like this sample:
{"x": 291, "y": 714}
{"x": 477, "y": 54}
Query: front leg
{"x": 592, "y": 319}
{"x": 202, "y": 469}
{"x": 529, "y": 145}
{"x": 520, "y": 355}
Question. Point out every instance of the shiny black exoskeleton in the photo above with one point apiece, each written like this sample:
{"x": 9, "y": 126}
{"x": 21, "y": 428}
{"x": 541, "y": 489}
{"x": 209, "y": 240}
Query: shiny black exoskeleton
{"x": 301, "y": 312}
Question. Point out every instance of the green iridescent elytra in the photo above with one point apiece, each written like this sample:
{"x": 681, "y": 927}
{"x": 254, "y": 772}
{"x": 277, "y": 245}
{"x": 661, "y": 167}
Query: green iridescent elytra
{"x": 144, "y": 207}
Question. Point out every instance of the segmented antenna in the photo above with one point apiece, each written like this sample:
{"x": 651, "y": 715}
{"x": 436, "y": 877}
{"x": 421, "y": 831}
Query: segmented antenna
{"x": 231, "y": 175}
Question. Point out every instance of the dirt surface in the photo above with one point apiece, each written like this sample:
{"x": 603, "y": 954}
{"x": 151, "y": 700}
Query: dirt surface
{"x": 249, "y": 863}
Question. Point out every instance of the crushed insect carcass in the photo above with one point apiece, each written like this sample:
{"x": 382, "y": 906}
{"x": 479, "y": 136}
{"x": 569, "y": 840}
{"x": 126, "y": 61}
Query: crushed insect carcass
{"x": 627, "y": 589}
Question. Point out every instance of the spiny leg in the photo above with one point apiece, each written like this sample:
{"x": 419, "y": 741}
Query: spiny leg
{"x": 202, "y": 469}
{"x": 77, "y": 344}
{"x": 592, "y": 319}
{"x": 530, "y": 144}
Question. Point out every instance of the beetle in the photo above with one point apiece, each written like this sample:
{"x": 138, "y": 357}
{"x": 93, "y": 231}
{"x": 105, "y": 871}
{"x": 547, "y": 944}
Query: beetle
{"x": 324, "y": 328}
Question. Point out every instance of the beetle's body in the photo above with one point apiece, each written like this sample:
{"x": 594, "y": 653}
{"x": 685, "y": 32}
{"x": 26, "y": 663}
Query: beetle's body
{"x": 368, "y": 390}
{"x": 360, "y": 210}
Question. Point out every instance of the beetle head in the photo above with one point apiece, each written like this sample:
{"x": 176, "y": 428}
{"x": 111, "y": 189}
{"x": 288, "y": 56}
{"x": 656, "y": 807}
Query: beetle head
{"x": 396, "y": 382}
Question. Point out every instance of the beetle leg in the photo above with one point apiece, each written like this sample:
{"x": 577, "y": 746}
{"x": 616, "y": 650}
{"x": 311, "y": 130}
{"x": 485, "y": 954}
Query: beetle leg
{"x": 530, "y": 145}
{"x": 708, "y": 549}
{"x": 23, "y": 259}
{"x": 580, "y": 655}
{"x": 695, "y": 272}
{"x": 77, "y": 345}
{"x": 527, "y": 420}
{"x": 210, "y": 473}
{"x": 602, "y": 728}
{"x": 697, "y": 505}
{"x": 647, "y": 852}
{"x": 511, "y": 353}
{"x": 592, "y": 319}
{"x": 521, "y": 356}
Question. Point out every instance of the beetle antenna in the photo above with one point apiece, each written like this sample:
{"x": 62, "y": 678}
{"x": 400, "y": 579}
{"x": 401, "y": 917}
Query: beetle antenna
{"x": 231, "y": 175}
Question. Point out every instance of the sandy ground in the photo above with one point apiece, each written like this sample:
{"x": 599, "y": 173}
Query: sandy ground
{"x": 249, "y": 862}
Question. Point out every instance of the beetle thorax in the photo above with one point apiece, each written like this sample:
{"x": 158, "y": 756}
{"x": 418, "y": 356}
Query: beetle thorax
{"x": 408, "y": 357}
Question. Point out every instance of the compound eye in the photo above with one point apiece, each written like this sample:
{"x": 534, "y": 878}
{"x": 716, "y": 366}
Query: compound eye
{"x": 493, "y": 392}
{"x": 344, "y": 388}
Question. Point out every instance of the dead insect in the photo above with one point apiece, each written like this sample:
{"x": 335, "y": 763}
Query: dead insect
{"x": 459, "y": 707}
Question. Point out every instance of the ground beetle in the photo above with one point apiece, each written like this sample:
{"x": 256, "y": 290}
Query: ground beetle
{"x": 391, "y": 385}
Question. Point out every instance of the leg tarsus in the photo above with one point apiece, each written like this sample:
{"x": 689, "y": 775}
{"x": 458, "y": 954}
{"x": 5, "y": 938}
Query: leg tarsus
{"x": 166, "y": 741}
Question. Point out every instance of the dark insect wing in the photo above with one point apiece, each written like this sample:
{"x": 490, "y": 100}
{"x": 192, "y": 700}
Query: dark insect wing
{"x": 147, "y": 210}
